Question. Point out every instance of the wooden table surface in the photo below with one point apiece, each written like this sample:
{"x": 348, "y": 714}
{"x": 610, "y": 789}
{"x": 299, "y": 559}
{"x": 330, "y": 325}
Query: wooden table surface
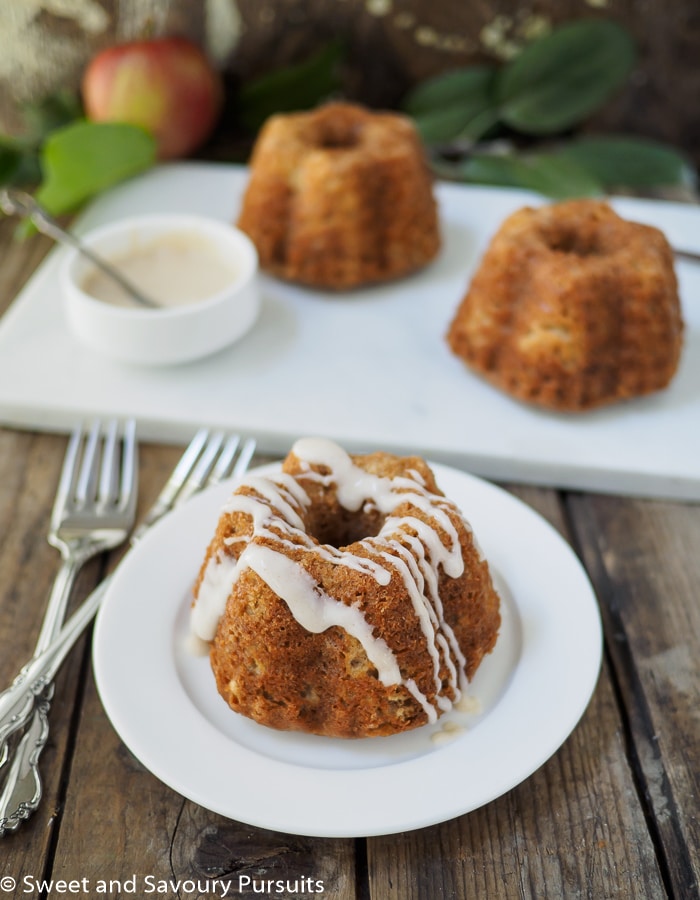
{"x": 614, "y": 813}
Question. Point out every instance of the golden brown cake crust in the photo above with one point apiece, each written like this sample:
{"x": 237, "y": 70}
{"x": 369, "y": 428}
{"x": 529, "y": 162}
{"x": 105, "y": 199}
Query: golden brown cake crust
{"x": 340, "y": 197}
{"x": 572, "y": 307}
{"x": 270, "y": 668}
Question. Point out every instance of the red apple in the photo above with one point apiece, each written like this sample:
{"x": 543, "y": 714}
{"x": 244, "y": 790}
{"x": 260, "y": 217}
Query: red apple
{"x": 166, "y": 85}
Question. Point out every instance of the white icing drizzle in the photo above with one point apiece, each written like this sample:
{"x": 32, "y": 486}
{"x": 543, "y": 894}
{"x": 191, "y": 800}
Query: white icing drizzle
{"x": 316, "y": 611}
{"x": 469, "y": 704}
{"x": 219, "y": 576}
{"x": 275, "y": 506}
{"x": 447, "y": 734}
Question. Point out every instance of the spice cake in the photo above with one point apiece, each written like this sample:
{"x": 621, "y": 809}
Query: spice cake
{"x": 344, "y": 595}
{"x": 340, "y": 197}
{"x": 572, "y": 307}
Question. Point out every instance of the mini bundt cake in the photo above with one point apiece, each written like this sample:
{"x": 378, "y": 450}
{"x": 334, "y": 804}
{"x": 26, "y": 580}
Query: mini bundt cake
{"x": 571, "y": 308}
{"x": 340, "y": 197}
{"x": 344, "y": 596}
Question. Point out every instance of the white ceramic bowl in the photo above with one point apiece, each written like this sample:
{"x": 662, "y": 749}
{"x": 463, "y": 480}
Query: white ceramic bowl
{"x": 175, "y": 334}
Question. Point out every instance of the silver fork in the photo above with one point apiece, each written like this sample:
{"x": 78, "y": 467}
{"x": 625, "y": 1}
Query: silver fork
{"x": 208, "y": 460}
{"x": 93, "y": 512}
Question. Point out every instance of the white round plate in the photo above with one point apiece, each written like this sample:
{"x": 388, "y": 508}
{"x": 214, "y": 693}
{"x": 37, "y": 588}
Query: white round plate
{"x": 524, "y": 700}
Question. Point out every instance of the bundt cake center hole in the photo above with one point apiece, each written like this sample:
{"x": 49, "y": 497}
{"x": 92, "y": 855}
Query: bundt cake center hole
{"x": 339, "y": 136}
{"x": 577, "y": 242}
{"x": 340, "y": 527}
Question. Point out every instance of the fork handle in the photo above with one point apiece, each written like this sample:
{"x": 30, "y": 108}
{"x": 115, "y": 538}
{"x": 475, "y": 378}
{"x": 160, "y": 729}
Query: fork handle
{"x": 15, "y": 714}
{"x": 17, "y": 701}
{"x": 58, "y": 601}
{"x": 22, "y": 789}
{"x": 21, "y": 793}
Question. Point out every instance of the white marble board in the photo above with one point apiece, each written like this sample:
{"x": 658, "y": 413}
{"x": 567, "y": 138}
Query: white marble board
{"x": 369, "y": 368}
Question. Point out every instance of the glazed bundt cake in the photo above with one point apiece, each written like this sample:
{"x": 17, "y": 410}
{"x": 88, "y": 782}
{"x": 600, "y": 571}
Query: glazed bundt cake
{"x": 344, "y": 595}
{"x": 340, "y": 197}
{"x": 571, "y": 308}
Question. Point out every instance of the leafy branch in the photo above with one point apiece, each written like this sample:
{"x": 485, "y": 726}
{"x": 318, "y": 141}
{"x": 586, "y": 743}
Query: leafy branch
{"x": 486, "y": 124}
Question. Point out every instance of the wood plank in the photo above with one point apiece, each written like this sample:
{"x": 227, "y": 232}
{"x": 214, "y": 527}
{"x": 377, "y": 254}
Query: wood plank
{"x": 550, "y": 837}
{"x": 643, "y": 557}
{"x": 257, "y": 861}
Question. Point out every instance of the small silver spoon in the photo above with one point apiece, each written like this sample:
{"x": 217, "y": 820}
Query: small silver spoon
{"x": 688, "y": 255}
{"x": 19, "y": 203}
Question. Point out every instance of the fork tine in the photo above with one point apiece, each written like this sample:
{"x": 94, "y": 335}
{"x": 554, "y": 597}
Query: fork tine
{"x": 233, "y": 460}
{"x": 68, "y": 472}
{"x": 183, "y": 468}
{"x": 88, "y": 470}
{"x": 226, "y": 456}
{"x": 129, "y": 480}
{"x": 244, "y": 458}
{"x": 107, "y": 487}
{"x": 198, "y": 476}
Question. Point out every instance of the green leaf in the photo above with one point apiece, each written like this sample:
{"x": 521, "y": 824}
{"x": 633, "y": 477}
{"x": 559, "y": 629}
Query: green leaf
{"x": 453, "y": 89}
{"x": 50, "y": 113}
{"x": 84, "y": 158}
{"x": 454, "y": 105}
{"x": 559, "y": 80}
{"x": 630, "y": 162}
{"x": 28, "y": 171}
{"x": 291, "y": 88}
{"x": 19, "y": 163}
{"x": 10, "y": 159}
{"x": 445, "y": 126}
{"x": 545, "y": 173}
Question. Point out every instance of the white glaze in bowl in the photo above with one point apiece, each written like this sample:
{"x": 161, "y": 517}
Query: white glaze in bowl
{"x": 173, "y": 334}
